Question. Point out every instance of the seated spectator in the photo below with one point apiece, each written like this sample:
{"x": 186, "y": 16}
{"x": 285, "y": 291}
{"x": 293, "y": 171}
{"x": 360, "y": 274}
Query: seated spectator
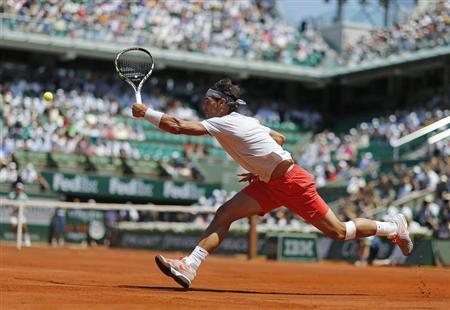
{"x": 29, "y": 175}
{"x": 428, "y": 214}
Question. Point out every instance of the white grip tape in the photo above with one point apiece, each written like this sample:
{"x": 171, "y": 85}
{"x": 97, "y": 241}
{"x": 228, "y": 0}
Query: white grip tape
{"x": 138, "y": 97}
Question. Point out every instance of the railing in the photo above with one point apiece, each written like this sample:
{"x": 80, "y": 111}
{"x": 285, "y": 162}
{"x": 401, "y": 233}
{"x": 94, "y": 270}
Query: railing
{"x": 413, "y": 199}
{"x": 438, "y": 137}
{"x": 396, "y": 144}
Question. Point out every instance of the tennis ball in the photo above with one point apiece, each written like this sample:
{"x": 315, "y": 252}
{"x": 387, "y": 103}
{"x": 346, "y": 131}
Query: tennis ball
{"x": 48, "y": 96}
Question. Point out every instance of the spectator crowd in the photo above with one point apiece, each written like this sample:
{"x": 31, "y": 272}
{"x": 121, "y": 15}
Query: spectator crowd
{"x": 330, "y": 156}
{"x": 249, "y": 29}
{"x": 90, "y": 114}
{"x": 422, "y": 30}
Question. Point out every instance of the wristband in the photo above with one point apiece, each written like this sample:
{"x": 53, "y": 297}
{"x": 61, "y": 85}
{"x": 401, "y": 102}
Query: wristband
{"x": 153, "y": 116}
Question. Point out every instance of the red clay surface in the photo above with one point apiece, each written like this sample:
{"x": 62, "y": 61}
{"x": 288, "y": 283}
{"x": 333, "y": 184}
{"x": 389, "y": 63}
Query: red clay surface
{"x": 69, "y": 278}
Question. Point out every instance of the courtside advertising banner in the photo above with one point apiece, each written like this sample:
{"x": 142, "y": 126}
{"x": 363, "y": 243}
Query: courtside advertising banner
{"x": 120, "y": 187}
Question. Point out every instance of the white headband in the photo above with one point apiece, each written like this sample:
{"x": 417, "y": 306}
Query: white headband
{"x": 219, "y": 95}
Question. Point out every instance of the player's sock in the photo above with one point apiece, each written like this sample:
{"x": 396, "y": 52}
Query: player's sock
{"x": 197, "y": 257}
{"x": 27, "y": 239}
{"x": 386, "y": 229}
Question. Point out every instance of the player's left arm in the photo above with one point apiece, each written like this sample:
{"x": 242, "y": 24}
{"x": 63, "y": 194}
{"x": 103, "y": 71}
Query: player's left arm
{"x": 168, "y": 122}
{"x": 278, "y": 137}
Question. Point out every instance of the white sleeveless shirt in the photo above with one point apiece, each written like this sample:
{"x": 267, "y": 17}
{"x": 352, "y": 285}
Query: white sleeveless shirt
{"x": 248, "y": 143}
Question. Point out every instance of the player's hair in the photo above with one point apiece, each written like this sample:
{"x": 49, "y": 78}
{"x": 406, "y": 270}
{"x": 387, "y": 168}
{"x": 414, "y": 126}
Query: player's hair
{"x": 227, "y": 87}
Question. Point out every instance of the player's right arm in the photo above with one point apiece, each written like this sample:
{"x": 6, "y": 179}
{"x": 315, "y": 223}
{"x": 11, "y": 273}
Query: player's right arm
{"x": 178, "y": 126}
{"x": 168, "y": 122}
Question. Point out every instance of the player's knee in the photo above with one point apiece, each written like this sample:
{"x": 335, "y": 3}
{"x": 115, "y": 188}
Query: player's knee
{"x": 223, "y": 215}
{"x": 337, "y": 233}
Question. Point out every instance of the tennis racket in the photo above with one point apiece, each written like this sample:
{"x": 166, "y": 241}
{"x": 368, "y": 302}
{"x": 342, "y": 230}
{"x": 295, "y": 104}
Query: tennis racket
{"x": 135, "y": 65}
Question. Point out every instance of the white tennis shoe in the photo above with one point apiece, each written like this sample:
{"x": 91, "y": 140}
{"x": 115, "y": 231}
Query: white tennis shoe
{"x": 178, "y": 269}
{"x": 402, "y": 238}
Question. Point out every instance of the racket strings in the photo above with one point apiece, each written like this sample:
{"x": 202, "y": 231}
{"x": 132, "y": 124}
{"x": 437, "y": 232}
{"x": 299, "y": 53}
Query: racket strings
{"x": 132, "y": 68}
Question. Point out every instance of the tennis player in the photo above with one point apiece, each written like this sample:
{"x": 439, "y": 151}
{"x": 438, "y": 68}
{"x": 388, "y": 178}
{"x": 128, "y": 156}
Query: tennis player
{"x": 274, "y": 180}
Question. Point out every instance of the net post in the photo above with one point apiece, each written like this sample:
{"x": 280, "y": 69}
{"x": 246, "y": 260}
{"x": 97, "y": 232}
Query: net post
{"x": 252, "y": 238}
{"x": 20, "y": 226}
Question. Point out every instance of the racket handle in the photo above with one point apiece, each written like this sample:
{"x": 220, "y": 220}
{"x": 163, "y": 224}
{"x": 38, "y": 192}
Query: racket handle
{"x": 138, "y": 97}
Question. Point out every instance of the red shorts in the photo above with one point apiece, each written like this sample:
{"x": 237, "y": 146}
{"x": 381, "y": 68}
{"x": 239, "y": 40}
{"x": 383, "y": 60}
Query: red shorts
{"x": 295, "y": 190}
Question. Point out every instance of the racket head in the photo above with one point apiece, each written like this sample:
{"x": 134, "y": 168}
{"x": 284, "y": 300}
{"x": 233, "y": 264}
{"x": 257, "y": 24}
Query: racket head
{"x": 134, "y": 65}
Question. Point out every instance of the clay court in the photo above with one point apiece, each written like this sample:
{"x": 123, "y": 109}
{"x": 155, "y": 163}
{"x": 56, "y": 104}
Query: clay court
{"x": 49, "y": 278}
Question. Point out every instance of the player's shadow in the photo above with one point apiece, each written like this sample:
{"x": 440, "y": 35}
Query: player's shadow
{"x": 209, "y": 290}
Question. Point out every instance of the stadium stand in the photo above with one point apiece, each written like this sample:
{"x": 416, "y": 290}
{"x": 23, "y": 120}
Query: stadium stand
{"x": 422, "y": 30}
{"x": 245, "y": 29}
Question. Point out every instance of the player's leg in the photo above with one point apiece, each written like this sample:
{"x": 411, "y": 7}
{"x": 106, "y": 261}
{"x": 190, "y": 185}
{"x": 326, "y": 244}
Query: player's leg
{"x": 240, "y": 206}
{"x": 184, "y": 270}
{"x": 26, "y": 235}
{"x": 361, "y": 227}
{"x": 300, "y": 195}
{"x": 337, "y": 230}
